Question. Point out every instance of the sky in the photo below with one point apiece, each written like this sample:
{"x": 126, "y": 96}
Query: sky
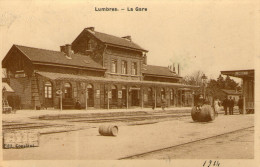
{"x": 210, "y": 36}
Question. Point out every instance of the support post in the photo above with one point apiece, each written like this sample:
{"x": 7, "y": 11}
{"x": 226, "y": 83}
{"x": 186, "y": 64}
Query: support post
{"x": 244, "y": 105}
{"x": 127, "y": 97}
{"x": 244, "y": 92}
{"x": 60, "y": 98}
{"x": 142, "y": 93}
{"x": 86, "y": 98}
{"x": 192, "y": 100}
{"x": 108, "y": 93}
{"x": 61, "y": 102}
{"x": 155, "y": 98}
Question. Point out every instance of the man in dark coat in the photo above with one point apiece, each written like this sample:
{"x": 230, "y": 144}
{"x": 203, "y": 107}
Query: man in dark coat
{"x": 200, "y": 103}
{"x": 78, "y": 105}
{"x": 240, "y": 105}
{"x": 231, "y": 106}
{"x": 225, "y": 104}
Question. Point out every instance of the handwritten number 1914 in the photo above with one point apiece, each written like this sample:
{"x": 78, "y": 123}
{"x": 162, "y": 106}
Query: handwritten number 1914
{"x": 211, "y": 163}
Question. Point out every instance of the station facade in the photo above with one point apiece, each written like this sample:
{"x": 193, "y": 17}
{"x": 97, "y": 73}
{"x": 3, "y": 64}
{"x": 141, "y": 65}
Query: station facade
{"x": 96, "y": 69}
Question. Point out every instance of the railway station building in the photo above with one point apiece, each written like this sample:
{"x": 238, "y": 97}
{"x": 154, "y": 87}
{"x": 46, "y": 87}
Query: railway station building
{"x": 98, "y": 70}
{"x": 248, "y": 87}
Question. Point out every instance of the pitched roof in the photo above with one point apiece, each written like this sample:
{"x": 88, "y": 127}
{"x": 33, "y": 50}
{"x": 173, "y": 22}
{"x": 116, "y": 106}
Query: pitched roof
{"x": 56, "y": 57}
{"x": 114, "y": 40}
{"x": 159, "y": 71}
{"x": 231, "y": 92}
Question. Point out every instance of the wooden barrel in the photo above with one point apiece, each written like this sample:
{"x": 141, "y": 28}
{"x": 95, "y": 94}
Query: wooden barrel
{"x": 108, "y": 130}
{"x": 194, "y": 114}
{"x": 205, "y": 114}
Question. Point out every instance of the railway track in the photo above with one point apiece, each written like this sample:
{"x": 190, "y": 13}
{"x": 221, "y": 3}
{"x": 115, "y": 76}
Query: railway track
{"x": 128, "y": 118}
{"x": 27, "y": 126}
{"x": 140, "y": 155}
{"x": 137, "y": 118}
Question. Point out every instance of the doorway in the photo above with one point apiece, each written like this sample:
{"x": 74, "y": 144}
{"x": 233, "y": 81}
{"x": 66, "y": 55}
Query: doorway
{"x": 48, "y": 94}
{"x": 135, "y": 96}
{"x": 90, "y": 95}
{"x": 124, "y": 96}
{"x": 150, "y": 97}
{"x": 67, "y": 91}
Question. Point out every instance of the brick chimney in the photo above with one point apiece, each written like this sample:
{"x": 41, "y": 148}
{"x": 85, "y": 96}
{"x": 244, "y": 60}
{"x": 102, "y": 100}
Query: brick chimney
{"x": 128, "y": 38}
{"x": 66, "y": 49}
{"x": 91, "y": 28}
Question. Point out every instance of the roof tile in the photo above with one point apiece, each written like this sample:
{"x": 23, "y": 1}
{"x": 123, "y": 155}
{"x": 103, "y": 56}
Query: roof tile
{"x": 158, "y": 70}
{"x": 111, "y": 39}
{"x": 56, "y": 57}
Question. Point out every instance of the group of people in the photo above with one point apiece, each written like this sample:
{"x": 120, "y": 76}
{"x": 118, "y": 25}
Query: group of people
{"x": 229, "y": 104}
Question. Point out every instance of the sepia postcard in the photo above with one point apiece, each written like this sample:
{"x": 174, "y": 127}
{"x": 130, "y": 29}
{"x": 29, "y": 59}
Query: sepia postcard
{"x": 130, "y": 83}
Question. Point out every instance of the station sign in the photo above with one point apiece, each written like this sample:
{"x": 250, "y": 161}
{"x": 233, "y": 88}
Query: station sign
{"x": 239, "y": 73}
{"x": 120, "y": 94}
{"x": 59, "y": 92}
{"x": 20, "y": 75}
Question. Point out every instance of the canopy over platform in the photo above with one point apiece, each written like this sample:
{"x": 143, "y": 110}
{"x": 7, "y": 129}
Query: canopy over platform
{"x": 250, "y": 73}
{"x": 73, "y": 77}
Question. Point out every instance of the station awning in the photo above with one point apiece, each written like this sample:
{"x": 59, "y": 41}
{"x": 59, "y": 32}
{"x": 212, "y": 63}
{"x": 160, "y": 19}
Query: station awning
{"x": 73, "y": 77}
{"x": 240, "y": 73}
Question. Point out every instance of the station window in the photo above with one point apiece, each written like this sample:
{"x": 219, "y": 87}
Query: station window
{"x": 89, "y": 45}
{"x": 124, "y": 67}
{"x": 134, "y": 68}
{"x": 48, "y": 90}
{"x": 114, "y": 66}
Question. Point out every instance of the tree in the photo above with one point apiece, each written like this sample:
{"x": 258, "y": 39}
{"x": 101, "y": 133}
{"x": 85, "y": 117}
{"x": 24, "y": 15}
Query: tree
{"x": 193, "y": 79}
{"x": 214, "y": 90}
{"x": 221, "y": 82}
{"x": 230, "y": 83}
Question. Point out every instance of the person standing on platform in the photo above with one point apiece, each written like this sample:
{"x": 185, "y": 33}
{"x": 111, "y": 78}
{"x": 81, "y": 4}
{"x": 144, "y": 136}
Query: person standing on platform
{"x": 225, "y": 104}
{"x": 163, "y": 104}
{"x": 240, "y": 105}
{"x": 216, "y": 106}
{"x": 231, "y": 106}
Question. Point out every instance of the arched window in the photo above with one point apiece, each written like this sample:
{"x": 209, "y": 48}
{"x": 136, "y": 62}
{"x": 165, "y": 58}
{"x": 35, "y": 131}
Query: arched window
{"x": 162, "y": 93}
{"x": 89, "y": 86}
{"x": 48, "y": 90}
{"x": 67, "y": 85}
